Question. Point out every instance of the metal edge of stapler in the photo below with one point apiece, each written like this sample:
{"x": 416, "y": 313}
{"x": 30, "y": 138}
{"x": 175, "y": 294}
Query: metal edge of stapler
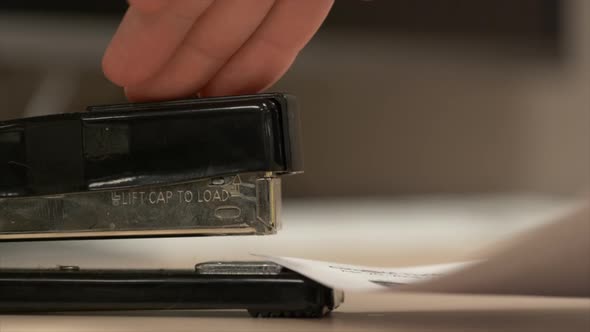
{"x": 208, "y": 166}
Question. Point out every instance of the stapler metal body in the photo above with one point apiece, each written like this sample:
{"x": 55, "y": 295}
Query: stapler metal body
{"x": 182, "y": 168}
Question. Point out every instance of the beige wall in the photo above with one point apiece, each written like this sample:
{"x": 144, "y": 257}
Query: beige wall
{"x": 383, "y": 116}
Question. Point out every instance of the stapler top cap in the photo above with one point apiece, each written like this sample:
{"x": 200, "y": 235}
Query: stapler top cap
{"x": 133, "y": 145}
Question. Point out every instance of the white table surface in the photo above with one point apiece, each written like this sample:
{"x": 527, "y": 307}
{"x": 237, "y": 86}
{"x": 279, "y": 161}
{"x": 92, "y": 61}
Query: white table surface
{"x": 385, "y": 232}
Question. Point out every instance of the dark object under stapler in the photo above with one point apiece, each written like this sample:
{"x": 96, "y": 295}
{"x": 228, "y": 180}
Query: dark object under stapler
{"x": 265, "y": 289}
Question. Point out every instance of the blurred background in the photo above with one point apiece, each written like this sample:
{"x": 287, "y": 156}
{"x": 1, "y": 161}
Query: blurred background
{"x": 405, "y": 97}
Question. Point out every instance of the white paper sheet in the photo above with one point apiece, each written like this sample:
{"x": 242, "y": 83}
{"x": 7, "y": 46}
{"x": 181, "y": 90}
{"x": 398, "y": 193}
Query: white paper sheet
{"x": 363, "y": 278}
{"x": 551, "y": 260}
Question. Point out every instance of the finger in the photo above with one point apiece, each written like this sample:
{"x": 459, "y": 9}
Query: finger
{"x": 146, "y": 39}
{"x": 265, "y": 57}
{"x": 218, "y": 33}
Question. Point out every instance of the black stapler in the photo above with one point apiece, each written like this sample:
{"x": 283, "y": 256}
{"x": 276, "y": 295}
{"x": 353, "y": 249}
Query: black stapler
{"x": 181, "y": 168}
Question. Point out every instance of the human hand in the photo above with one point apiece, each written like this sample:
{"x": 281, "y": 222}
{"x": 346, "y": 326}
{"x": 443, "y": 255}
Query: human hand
{"x": 166, "y": 49}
